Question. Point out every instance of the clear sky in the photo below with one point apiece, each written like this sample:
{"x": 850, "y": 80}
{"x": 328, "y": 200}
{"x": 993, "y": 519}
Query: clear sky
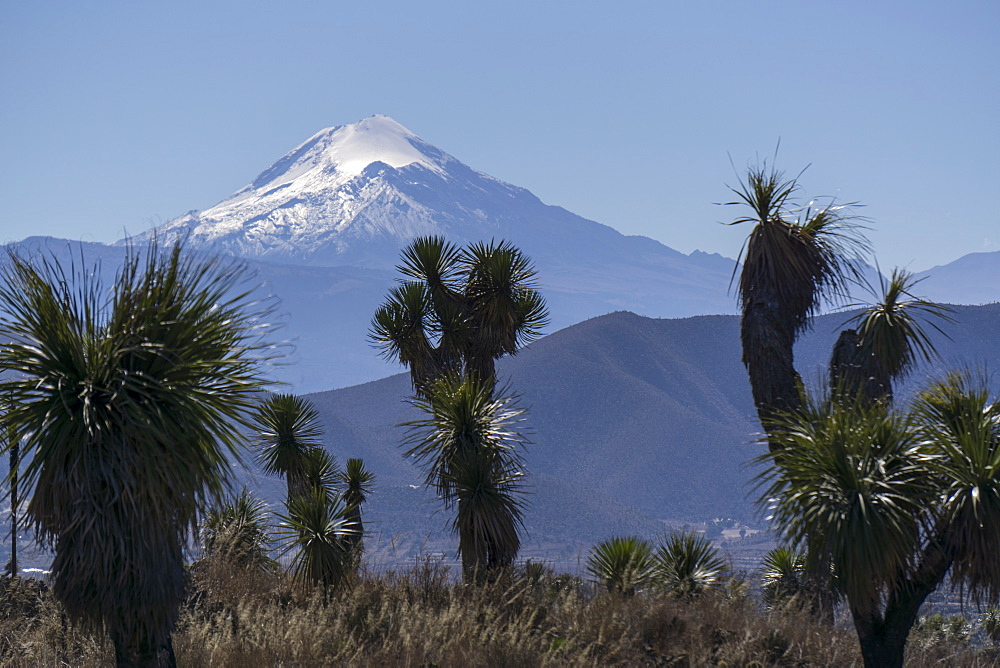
{"x": 117, "y": 115}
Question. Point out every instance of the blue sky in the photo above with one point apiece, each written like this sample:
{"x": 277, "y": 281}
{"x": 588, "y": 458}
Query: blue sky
{"x": 117, "y": 115}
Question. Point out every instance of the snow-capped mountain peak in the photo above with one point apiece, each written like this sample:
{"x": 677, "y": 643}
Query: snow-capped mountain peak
{"x": 345, "y": 151}
{"x": 344, "y": 188}
{"x": 376, "y": 139}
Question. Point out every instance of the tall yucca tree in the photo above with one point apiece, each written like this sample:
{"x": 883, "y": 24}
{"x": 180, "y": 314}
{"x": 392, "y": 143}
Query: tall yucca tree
{"x": 792, "y": 259}
{"x": 472, "y": 455}
{"x": 889, "y": 339}
{"x": 899, "y": 502}
{"x": 357, "y": 482}
{"x": 458, "y": 310}
{"x": 128, "y": 403}
{"x": 287, "y": 430}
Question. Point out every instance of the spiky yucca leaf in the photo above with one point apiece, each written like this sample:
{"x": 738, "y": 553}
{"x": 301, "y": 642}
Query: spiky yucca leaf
{"x": 990, "y": 622}
{"x": 622, "y": 564}
{"x": 893, "y": 331}
{"x": 287, "y": 429}
{"x": 320, "y": 472}
{"x": 489, "y": 509}
{"x": 687, "y": 564}
{"x": 505, "y": 308}
{"x": 891, "y": 337}
{"x": 398, "y": 329}
{"x": 796, "y": 254}
{"x": 462, "y": 416}
{"x": 357, "y": 481}
{"x": 458, "y": 310}
{"x": 432, "y": 260}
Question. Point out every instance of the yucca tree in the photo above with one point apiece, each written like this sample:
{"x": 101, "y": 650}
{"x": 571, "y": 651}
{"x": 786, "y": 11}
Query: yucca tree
{"x": 236, "y": 530}
{"x": 783, "y": 575}
{"x": 472, "y": 455}
{"x": 687, "y": 565}
{"x": 897, "y": 501}
{"x": 458, "y": 310}
{"x": 889, "y": 339}
{"x": 316, "y": 530}
{"x": 623, "y": 564}
{"x": 287, "y": 430}
{"x": 357, "y": 482}
{"x": 793, "y": 258}
{"x": 128, "y": 402}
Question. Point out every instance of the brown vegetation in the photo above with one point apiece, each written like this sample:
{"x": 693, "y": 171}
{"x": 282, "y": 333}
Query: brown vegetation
{"x": 422, "y": 617}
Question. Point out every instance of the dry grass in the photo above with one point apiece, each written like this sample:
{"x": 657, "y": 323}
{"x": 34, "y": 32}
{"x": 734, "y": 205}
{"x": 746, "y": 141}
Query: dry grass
{"x": 423, "y": 618}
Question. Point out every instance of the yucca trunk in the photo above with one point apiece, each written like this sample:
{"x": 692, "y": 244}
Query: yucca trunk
{"x": 297, "y": 484}
{"x": 15, "y": 461}
{"x": 355, "y": 529}
{"x": 883, "y": 637}
{"x": 768, "y": 337}
{"x": 136, "y": 651}
{"x": 483, "y": 369}
{"x": 855, "y": 375}
{"x": 768, "y": 340}
{"x": 474, "y": 553}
